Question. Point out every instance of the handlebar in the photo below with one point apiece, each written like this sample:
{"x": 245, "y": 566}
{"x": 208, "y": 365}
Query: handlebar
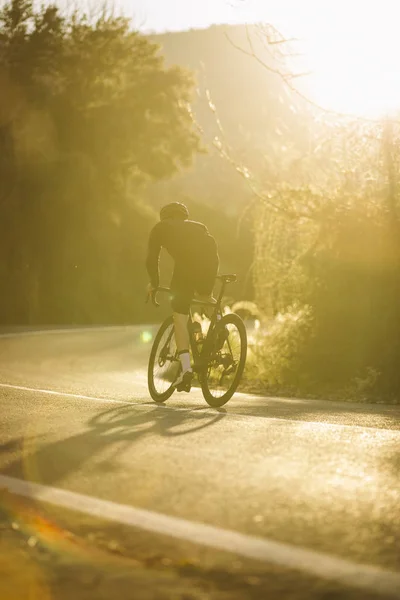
{"x": 231, "y": 278}
{"x": 153, "y": 295}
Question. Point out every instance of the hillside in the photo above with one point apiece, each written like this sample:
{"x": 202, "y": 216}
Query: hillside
{"x": 256, "y": 109}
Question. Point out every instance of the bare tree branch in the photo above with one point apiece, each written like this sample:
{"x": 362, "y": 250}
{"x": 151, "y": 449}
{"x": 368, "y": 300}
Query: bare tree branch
{"x": 288, "y": 77}
{"x": 224, "y": 149}
{"x": 253, "y": 55}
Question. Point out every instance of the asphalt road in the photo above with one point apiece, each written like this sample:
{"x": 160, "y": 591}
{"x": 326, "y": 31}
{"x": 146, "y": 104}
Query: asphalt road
{"x": 312, "y": 487}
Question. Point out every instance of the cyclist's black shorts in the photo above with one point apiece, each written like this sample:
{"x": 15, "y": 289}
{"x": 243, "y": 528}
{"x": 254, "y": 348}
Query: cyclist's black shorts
{"x": 185, "y": 282}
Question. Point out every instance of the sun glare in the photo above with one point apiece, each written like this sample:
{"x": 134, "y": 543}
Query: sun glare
{"x": 356, "y": 61}
{"x": 350, "y": 48}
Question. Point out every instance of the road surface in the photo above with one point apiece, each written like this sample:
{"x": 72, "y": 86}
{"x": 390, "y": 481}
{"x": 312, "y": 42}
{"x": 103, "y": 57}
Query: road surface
{"x": 265, "y": 498}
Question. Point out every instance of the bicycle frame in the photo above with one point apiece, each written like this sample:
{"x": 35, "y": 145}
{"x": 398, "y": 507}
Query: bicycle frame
{"x": 198, "y": 357}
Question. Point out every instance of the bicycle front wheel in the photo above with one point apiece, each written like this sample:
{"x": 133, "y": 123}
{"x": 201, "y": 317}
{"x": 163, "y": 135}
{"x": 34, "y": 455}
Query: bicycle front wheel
{"x": 226, "y": 362}
{"x": 164, "y": 363}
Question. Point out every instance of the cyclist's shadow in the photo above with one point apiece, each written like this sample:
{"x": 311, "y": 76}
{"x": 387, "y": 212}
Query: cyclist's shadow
{"x": 120, "y": 427}
{"x": 111, "y": 431}
{"x": 126, "y": 423}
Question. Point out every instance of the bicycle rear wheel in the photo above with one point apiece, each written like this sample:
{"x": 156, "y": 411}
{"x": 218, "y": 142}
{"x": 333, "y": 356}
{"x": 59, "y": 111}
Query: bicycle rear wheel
{"x": 164, "y": 363}
{"x": 221, "y": 377}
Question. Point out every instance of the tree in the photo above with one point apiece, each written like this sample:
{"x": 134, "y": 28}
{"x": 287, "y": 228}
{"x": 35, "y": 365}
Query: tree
{"x": 88, "y": 115}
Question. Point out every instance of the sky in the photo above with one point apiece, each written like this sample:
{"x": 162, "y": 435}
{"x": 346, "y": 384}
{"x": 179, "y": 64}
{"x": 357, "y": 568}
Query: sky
{"x": 350, "y": 46}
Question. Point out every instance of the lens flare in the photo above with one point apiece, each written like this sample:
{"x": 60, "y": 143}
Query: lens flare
{"x": 146, "y": 337}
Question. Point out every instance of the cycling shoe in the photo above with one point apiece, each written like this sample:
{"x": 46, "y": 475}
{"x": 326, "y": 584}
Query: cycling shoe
{"x": 184, "y": 382}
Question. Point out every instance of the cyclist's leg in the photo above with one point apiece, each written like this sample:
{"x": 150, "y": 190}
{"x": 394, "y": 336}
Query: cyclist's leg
{"x": 204, "y": 285}
{"x": 181, "y": 332}
{"x": 204, "y": 290}
{"x": 182, "y": 293}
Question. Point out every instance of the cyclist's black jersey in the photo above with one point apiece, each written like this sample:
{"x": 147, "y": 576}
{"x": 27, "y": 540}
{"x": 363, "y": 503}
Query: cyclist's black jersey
{"x": 188, "y": 242}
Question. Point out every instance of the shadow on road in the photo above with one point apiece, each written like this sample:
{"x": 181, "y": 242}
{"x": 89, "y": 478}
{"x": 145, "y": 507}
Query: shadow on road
{"x": 124, "y": 421}
{"x": 115, "y": 428}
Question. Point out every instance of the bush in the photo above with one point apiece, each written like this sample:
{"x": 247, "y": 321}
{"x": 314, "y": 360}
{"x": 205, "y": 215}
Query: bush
{"x": 338, "y": 252}
{"x": 275, "y": 360}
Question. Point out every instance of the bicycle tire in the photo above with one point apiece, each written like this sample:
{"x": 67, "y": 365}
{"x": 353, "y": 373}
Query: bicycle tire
{"x": 157, "y": 396}
{"x": 212, "y": 400}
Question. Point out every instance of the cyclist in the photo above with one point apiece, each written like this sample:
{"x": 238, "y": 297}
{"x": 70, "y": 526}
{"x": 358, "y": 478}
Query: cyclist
{"x": 196, "y": 259}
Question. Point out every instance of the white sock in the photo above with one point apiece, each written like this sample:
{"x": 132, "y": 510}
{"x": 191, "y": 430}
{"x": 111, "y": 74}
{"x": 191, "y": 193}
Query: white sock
{"x": 185, "y": 361}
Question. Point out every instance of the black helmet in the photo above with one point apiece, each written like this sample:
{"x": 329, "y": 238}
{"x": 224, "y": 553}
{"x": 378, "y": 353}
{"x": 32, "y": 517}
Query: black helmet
{"x": 175, "y": 210}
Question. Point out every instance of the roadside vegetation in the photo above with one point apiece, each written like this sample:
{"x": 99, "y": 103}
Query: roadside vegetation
{"x": 327, "y": 269}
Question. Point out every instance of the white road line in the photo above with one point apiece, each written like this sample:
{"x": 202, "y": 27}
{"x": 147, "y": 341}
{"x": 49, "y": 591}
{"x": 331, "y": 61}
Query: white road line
{"x": 95, "y": 329}
{"x": 67, "y": 394}
{"x": 232, "y": 414}
{"x": 106, "y": 400}
{"x": 315, "y": 563}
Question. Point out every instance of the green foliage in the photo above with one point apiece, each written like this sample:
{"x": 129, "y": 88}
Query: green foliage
{"x": 88, "y": 115}
{"x": 356, "y": 297}
{"x": 275, "y": 357}
{"x": 343, "y": 261}
{"x": 279, "y": 254}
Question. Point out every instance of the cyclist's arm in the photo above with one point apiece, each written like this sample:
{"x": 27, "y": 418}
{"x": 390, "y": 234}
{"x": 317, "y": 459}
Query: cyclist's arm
{"x": 153, "y": 257}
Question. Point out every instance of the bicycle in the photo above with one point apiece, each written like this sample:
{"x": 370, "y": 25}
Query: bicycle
{"x": 218, "y": 358}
